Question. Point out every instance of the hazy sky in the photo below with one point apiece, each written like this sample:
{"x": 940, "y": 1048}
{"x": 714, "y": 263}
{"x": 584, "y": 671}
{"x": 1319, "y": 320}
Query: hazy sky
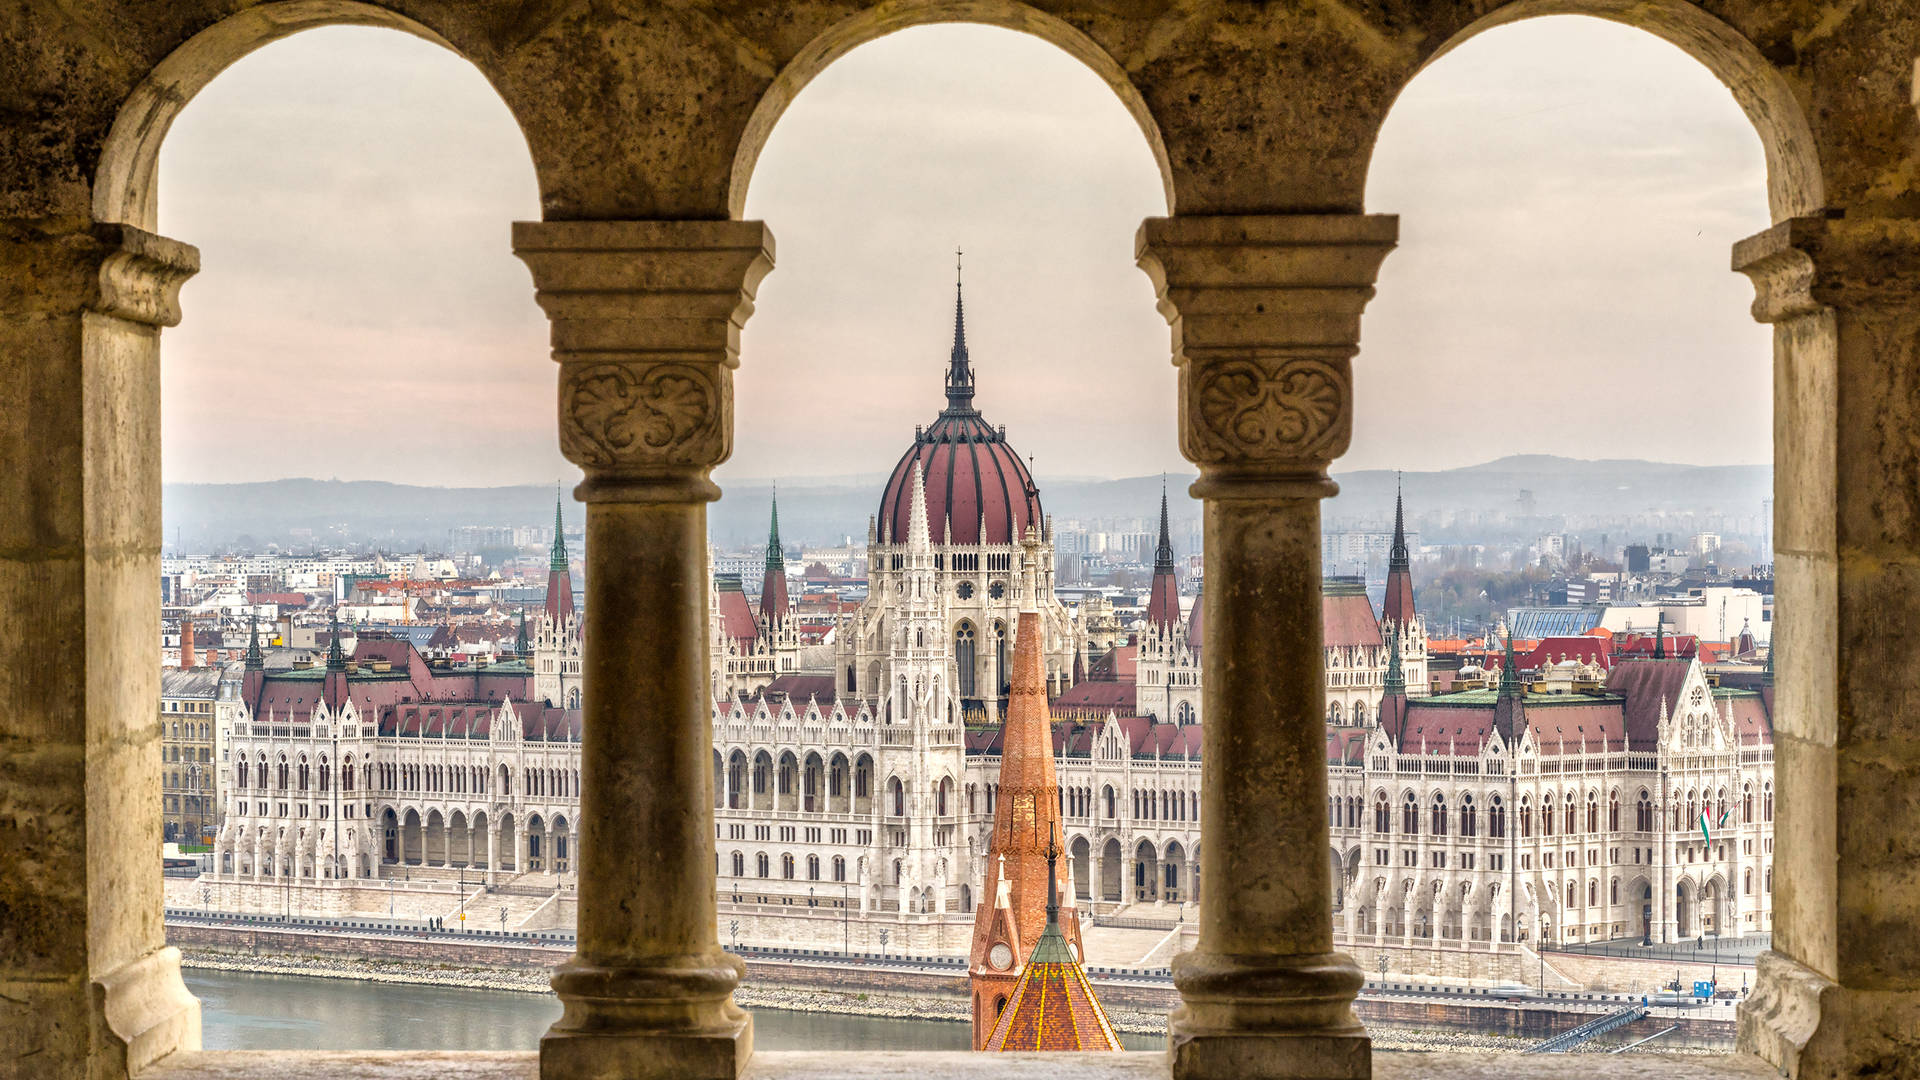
{"x": 1568, "y": 191}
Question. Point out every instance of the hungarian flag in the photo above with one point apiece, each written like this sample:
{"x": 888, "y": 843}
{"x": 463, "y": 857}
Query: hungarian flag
{"x": 1706, "y": 819}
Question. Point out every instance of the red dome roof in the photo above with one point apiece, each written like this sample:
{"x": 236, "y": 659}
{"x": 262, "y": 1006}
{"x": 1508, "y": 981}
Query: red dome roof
{"x": 973, "y": 479}
{"x": 976, "y": 484}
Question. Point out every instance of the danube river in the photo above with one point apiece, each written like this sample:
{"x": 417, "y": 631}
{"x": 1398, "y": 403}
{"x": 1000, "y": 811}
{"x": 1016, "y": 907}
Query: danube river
{"x": 260, "y": 1012}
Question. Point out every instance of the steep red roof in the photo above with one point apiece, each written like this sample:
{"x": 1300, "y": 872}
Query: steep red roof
{"x": 1346, "y": 617}
{"x": 736, "y": 613}
{"x": 1097, "y": 696}
{"x": 1647, "y": 683}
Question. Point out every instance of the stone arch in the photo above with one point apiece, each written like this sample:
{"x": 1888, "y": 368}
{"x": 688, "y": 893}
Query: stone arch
{"x": 1112, "y": 870}
{"x": 434, "y": 851}
{"x": 410, "y": 838}
{"x": 1146, "y": 872}
{"x": 560, "y": 839}
{"x": 872, "y": 23}
{"x": 1796, "y": 184}
{"x": 124, "y": 189}
{"x": 1080, "y": 856}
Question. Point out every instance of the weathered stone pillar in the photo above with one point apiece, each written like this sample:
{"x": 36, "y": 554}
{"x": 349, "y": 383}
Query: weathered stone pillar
{"x": 1266, "y": 320}
{"x": 1839, "y": 994}
{"x": 646, "y": 327}
{"x": 89, "y": 986}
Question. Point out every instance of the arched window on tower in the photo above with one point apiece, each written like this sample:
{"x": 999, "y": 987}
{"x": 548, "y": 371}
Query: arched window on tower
{"x": 965, "y": 658}
{"x": 1410, "y": 815}
{"x": 1439, "y": 815}
{"x": 1497, "y": 818}
{"x": 1382, "y": 813}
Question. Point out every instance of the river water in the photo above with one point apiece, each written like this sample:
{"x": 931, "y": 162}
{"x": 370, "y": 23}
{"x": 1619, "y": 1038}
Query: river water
{"x": 241, "y": 1011}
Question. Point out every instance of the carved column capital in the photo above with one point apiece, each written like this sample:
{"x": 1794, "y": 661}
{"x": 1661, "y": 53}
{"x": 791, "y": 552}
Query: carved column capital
{"x": 1265, "y": 312}
{"x": 646, "y": 328}
{"x": 1806, "y": 264}
{"x": 141, "y": 275}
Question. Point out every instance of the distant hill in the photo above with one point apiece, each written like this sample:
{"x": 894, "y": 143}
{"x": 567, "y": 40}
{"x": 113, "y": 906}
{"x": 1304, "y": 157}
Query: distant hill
{"x": 301, "y": 513}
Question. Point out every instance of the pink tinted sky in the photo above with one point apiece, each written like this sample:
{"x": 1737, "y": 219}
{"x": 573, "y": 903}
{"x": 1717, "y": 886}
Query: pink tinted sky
{"x": 1568, "y": 192}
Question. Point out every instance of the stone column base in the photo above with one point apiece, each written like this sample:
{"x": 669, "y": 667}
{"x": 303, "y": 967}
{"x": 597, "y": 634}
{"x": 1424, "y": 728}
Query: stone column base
{"x": 1267, "y": 1018}
{"x": 1812, "y": 1028}
{"x": 674, "y": 1021}
{"x": 147, "y": 1013}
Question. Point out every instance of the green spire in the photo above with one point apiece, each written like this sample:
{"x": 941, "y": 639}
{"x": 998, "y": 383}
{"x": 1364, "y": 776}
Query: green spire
{"x": 1509, "y": 671}
{"x": 1660, "y": 637}
{"x": 256, "y": 663}
{"x": 560, "y": 560}
{"x": 776, "y": 557}
{"x": 1396, "y": 678}
{"x": 336, "y": 659}
{"x": 520, "y": 645}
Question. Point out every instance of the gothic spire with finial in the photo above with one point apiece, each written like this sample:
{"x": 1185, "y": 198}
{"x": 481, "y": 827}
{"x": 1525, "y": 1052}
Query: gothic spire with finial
{"x": 1163, "y": 554}
{"x": 559, "y": 559}
{"x": 254, "y": 662}
{"x": 776, "y": 556}
{"x": 1163, "y": 601}
{"x": 1396, "y": 681}
{"x": 774, "y": 600}
{"x": 959, "y": 370}
{"x": 1396, "y": 606}
{"x": 336, "y": 659}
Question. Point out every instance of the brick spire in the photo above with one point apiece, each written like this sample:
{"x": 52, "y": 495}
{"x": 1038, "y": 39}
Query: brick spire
{"x": 1026, "y": 822}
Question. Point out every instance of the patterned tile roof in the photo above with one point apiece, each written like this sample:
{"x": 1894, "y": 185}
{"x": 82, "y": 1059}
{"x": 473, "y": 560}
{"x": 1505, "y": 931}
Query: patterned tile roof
{"x": 1053, "y": 1007}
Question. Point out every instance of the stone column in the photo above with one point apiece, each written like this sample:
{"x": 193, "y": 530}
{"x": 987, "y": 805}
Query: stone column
{"x": 646, "y": 328}
{"x": 90, "y": 987}
{"x": 1266, "y": 320}
{"x": 1839, "y": 994}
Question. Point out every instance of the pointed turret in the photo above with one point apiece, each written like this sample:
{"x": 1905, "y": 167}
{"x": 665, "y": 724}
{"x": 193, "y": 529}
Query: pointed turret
{"x": 1163, "y": 604}
{"x": 1510, "y": 708}
{"x": 959, "y": 370}
{"x": 256, "y": 669}
{"x": 1397, "y": 607}
{"x": 1393, "y": 702}
{"x": 559, "y": 575}
{"x": 335, "y": 687}
{"x": 774, "y": 605}
{"x": 918, "y": 538}
{"x": 336, "y": 657}
{"x": 1660, "y": 637}
{"x": 1026, "y": 822}
{"x": 521, "y": 647}
{"x": 254, "y": 660}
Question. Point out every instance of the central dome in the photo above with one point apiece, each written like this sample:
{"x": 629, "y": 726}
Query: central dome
{"x": 977, "y": 487}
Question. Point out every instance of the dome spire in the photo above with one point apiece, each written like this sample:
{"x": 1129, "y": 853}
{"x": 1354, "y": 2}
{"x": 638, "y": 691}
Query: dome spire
{"x": 959, "y": 370}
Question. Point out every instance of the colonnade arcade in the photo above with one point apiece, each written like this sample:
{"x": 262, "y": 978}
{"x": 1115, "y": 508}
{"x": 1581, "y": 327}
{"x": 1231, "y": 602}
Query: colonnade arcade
{"x": 644, "y": 123}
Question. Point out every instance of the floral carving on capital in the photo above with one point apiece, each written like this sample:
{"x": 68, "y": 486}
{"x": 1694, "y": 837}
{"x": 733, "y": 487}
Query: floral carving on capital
{"x": 645, "y": 415}
{"x": 1267, "y": 410}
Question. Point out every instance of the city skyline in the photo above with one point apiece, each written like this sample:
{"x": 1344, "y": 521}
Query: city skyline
{"x": 1580, "y": 244}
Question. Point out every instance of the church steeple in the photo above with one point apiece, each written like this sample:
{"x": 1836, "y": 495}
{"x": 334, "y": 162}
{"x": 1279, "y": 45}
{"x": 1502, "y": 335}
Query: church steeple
{"x": 559, "y": 576}
{"x": 773, "y": 583}
{"x": 336, "y": 658}
{"x": 558, "y": 560}
{"x": 959, "y": 370}
{"x": 255, "y": 662}
{"x": 1397, "y": 606}
{"x": 1510, "y": 708}
{"x": 1163, "y": 603}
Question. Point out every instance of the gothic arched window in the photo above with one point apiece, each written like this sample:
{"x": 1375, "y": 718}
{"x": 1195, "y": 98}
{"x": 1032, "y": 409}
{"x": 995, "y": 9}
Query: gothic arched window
{"x": 964, "y": 657}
